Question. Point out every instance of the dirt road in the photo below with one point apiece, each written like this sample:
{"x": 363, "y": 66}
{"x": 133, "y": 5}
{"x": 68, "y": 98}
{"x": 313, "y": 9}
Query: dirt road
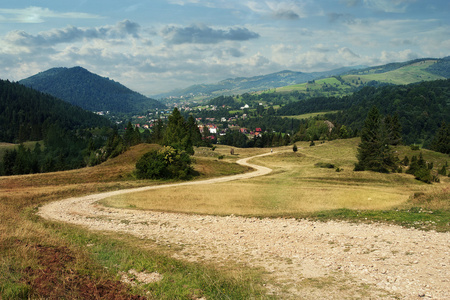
{"x": 305, "y": 259}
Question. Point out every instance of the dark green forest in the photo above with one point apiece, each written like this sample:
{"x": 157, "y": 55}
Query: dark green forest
{"x": 69, "y": 136}
{"x": 27, "y": 115}
{"x": 80, "y": 87}
{"x": 421, "y": 108}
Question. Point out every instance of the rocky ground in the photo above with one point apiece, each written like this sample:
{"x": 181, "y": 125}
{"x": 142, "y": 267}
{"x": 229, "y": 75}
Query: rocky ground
{"x": 302, "y": 258}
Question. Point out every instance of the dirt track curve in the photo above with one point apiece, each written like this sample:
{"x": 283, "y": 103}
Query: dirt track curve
{"x": 305, "y": 259}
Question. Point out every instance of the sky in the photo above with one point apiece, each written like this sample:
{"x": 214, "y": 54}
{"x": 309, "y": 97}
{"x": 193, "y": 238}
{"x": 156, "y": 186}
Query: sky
{"x": 156, "y": 46}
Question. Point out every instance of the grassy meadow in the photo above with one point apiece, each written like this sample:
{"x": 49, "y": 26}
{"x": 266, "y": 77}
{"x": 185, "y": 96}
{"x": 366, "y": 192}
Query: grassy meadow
{"x": 43, "y": 259}
{"x": 40, "y": 259}
{"x": 297, "y": 187}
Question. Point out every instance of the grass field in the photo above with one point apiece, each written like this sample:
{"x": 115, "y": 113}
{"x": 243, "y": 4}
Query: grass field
{"x": 295, "y": 188}
{"x": 43, "y": 259}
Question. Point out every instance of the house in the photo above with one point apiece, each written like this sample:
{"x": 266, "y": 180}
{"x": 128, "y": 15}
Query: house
{"x": 213, "y": 130}
{"x": 243, "y": 130}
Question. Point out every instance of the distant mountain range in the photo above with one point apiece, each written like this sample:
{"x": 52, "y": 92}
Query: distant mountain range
{"x": 92, "y": 92}
{"x": 425, "y": 69}
{"x": 241, "y": 85}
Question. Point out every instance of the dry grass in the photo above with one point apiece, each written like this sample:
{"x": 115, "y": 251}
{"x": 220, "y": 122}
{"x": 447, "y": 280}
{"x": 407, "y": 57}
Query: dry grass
{"x": 28, "y": 244}
{"x": 295, "y": 186}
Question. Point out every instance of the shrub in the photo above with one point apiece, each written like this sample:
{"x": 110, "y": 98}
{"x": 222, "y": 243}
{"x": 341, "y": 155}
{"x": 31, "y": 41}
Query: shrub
{"x": 443, "y": 171}
{"x": 167, "y": 163}
{"x": 324, "y": 165}
{"x": 294, "y": 148}
{"x": 424, "y": 174}
{"x": 415, "y": 147}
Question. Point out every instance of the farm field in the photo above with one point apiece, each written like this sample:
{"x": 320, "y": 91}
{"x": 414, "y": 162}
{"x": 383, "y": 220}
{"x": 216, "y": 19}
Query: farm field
{"x": 296, "y": 188}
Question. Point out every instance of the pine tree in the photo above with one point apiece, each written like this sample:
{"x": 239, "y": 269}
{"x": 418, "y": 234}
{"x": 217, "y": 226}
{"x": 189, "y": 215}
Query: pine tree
{"x": 374, "y": 152}
{"x": 441, "y": 141}
{"x": 177, "y": 134}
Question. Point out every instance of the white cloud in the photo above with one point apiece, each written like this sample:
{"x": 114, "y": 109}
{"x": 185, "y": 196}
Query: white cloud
{"x": 35, "y": 14}
{"x": 202, "y": 34}
{"x": 71, "y": 34}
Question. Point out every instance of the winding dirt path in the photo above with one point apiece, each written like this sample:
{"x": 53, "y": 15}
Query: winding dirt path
{"x": 305, "y": 259}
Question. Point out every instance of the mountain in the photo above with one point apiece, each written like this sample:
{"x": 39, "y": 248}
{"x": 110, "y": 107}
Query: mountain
{"x": 92, "y": 92}
{"x": 27, "y": 114}
{"x": 241, "y": 85}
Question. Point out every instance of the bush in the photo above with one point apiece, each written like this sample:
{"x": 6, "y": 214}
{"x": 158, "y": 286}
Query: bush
{"x": 294, "y": 148}
{"x": 443, "y": 171}
{"x": 167, "y": 163}
{"x": 424, "y": 174}
{"x": 415, "y": 147}
{"x": 324, "y": 165}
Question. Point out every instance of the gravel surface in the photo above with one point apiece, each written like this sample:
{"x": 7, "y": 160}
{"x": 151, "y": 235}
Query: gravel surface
{"x": 303, "y": 259}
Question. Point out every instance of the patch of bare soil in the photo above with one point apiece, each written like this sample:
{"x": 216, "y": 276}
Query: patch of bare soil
{"x": 304, "y": 259}
{"x": 54, "y": 278}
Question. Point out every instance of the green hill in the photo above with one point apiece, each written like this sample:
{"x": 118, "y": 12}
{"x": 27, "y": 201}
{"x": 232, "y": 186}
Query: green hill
{"x": 241, "y": 85}
{"x": 80, "y": 87}
{"x": 421, "y": 107}
{"x": 390, "y": 74}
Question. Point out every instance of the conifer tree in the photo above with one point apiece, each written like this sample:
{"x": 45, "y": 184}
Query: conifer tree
{"x": 374, "y": 151}
{"x": 441, "y": 141}
{"x": 176, "y": 134}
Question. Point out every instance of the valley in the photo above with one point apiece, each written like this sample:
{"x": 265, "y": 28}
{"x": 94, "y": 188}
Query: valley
{"x": 82, "y": 198}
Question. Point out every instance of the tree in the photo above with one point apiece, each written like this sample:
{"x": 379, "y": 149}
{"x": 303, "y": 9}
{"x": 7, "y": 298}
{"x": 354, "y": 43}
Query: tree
{"x": 374, "y": 151}
{"x": 394, "y": 129}
{"x": 441, "y": 141}
{"x": 132, "y": 136}
{"x": 177, "y": 134}
{"x": 167, "y": 163}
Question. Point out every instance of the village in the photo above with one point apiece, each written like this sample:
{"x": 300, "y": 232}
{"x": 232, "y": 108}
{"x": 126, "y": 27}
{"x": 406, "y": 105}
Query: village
{"x": 210, "y": 127}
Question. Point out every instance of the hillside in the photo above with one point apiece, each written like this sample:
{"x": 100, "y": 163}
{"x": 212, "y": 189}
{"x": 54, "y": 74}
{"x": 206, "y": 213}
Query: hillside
{"x": 240, "y": 85}
{"x": 427, "y": 69}
{"x": 421, "y": 108}
{"x": 26, "y": 114}
{"x": 80, "y": 87}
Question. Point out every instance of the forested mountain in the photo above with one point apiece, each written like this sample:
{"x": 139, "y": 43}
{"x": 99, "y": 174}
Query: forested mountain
{"x": 80, "y": 87}
{"x": 422, "y": 108}
{"x": 69, "y": 137}
{"x": 26, "y": 114}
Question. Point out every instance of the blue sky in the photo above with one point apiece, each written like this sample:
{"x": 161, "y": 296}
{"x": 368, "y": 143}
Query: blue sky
{"x": 159, "y": 45}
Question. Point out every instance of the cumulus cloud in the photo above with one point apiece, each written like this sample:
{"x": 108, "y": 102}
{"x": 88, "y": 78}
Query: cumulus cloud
{"x": 72, "y": 34}
{"x": 35, "y": 14}
{"x": 202, "y": 34}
